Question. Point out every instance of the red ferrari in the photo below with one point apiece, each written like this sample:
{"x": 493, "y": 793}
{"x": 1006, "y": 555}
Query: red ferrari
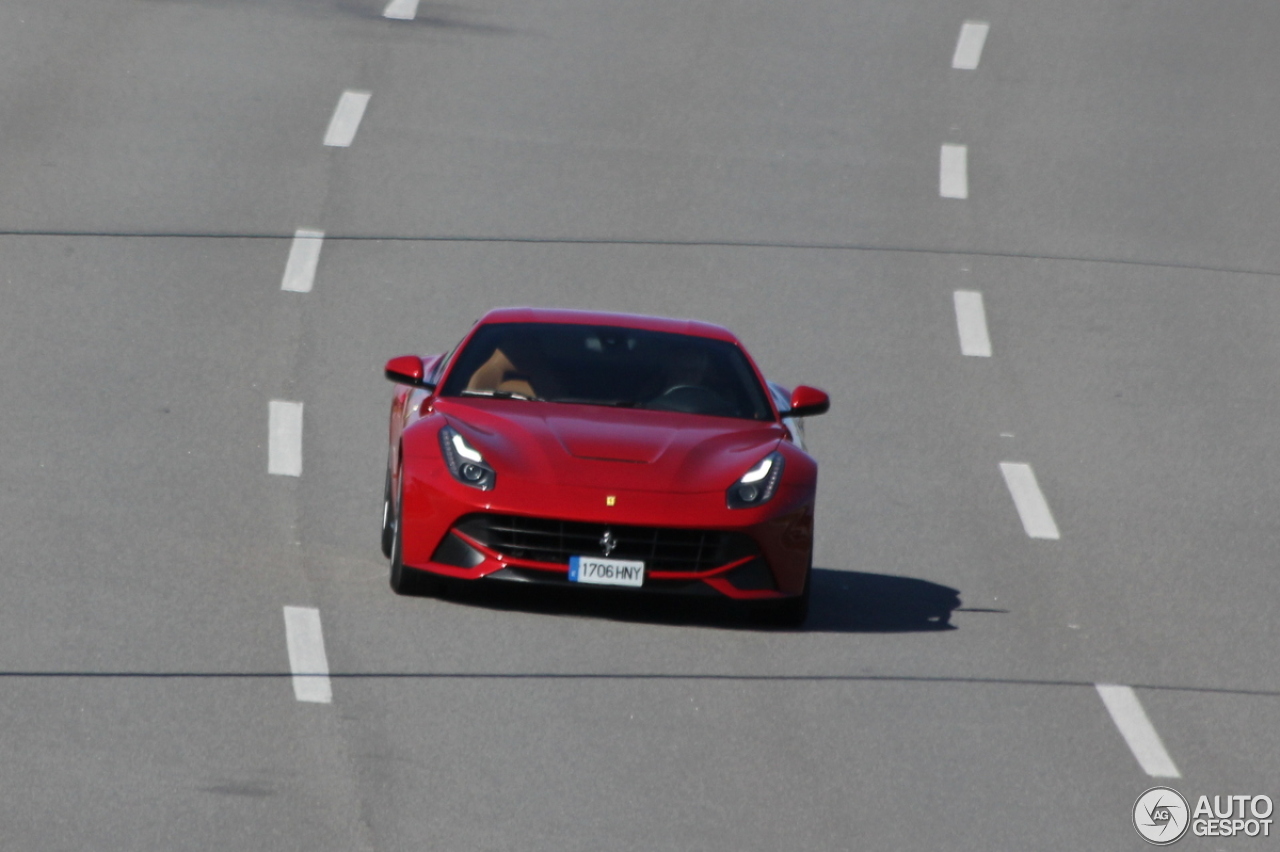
{"x": 610, "y": 450}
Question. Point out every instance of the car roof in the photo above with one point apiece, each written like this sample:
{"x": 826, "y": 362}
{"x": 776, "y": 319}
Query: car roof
{"x": 695, "y": 328}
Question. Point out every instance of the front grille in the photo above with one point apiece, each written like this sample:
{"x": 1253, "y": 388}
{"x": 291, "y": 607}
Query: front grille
{"x": 661, "y": 548}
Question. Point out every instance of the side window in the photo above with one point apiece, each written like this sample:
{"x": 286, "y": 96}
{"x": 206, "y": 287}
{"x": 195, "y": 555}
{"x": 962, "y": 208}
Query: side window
{"x": 438, "y": 369}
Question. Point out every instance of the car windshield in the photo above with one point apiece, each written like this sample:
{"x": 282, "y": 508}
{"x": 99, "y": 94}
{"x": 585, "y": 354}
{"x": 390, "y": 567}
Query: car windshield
{"x": 608, "y": 365}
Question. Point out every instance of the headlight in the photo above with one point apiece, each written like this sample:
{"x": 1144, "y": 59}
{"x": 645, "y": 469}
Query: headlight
{"x": 464, "y": 461}
{"x": 756, "y": 485}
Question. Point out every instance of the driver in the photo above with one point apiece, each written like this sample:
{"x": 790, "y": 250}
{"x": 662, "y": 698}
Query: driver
{"x": 687, "y": 366}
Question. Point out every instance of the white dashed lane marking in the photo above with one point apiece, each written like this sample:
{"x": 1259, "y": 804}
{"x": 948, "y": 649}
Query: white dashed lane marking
{"x": 346, "y": 118}
{"x": 304, "y": 256}
{"x": 284, "y": 438}
{"x": 307, "y": 659}
{"x": 953, "y": 175}
{"x": 401, "y": 10}
{"x": 1143, "y": 740}
{"x": 971, "y": 320}
{"x": 1037, "y": 520}
{"x": 973, "y": 35}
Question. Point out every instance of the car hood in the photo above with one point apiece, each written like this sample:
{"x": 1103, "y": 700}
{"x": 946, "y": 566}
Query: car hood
{"x": 618, "y": 448}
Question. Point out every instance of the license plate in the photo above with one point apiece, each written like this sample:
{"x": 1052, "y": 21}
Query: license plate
{"x": 605, "y": 572}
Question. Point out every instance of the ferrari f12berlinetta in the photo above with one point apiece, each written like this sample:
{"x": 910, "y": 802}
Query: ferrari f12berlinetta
{"x": 609, "y": 450}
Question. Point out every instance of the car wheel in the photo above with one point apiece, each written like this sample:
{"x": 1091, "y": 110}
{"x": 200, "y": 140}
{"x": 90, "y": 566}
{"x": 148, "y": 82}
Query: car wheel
{"x": 791, "y": 613}
{"x": 405, "y": 580}
{"x": 388, "y": 529}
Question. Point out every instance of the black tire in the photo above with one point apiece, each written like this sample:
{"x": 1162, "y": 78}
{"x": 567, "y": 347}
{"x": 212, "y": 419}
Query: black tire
{"x": 405, "y": 580}
{"x": 791, "y": 613}
{"x": 388, "y": 529}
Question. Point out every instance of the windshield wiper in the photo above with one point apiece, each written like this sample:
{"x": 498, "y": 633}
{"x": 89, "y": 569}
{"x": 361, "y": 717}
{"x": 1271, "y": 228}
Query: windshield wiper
{"x": 611, "y": 403}
{"x": 498, "y": 394}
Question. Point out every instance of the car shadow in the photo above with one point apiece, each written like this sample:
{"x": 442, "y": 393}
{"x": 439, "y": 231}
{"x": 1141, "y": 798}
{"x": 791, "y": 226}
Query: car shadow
{"x": 859, "y": 602}
{"x": 842, "y": 602}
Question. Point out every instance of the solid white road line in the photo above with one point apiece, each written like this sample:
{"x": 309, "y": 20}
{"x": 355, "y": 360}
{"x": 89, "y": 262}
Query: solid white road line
{"x": 953, "y": 180}
{"x": 304, "y": 255}
{"x": 284, "y": 438}
{"x": 973, "y": 35}
{"x": 401, "y": 10}
{"x": 346, "y": 118}
{"x": 1037, "y": 520}
{"x": 307, "y": 659}
{"x": 1126, "y": 711}
{"x": 971, "y": 320}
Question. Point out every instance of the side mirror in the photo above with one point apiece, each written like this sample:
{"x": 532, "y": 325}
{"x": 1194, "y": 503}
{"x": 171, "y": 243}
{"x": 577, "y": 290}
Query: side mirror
{"x": 408, "y": 370}
{"x": 807, "y": 401}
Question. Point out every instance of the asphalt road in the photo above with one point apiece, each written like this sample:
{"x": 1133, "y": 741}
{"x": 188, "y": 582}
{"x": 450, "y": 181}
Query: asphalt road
{"x": 772, "y": 167}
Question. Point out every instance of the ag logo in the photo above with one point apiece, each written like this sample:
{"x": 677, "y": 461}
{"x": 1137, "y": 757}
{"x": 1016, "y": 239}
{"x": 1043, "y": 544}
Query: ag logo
{"x": 1161, "y": 816}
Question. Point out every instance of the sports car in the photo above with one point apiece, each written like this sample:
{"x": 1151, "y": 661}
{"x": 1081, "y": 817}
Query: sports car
{"x": 597, "y": 449}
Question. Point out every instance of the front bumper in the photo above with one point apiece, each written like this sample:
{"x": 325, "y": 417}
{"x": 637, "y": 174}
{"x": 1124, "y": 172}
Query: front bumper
{"x": 686, "y": 546}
